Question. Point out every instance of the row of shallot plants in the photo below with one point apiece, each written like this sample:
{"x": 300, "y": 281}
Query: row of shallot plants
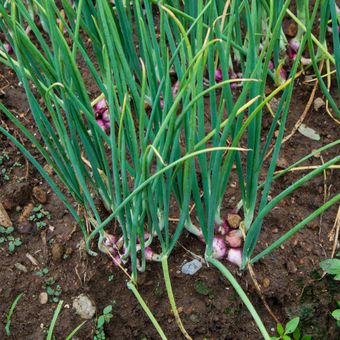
{"x": 142, "y": 140}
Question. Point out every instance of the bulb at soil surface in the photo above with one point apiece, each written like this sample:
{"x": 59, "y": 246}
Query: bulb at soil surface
{"x": 100, "y": 105}
{"x": 148, "y": 254}
{"x": 219, "y": 248}
{"x": 234, "y": 238}
{"x": 8, "y": 48}
{"x": 294, "y": 44}
{"x": 235, "y": 256}
{"x": 218, "y": 75}
{"x": 221, "y": 227}
{"x": 109, "y": 240}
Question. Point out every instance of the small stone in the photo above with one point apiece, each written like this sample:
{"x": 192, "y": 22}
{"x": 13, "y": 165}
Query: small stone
{"x": 266, "y": 282}
{"x": 57, "y": 252}
{"x": 40, "y": 195}
{"x": 20, "y": 267}
{"x": 43, "y": 298}
{"x": 282, "y": 163}
{"x": 32, "y": 260}
{"x": 318, "y": 103}
{"x": 291, "y": 267}
{"x": 275, "y": 230}
{"x": 192, "y": 267}
{"x": 48, "y": 169}
{"x": 290, "y": 29}
{"x": 84, "y": 307}
{"x": 234, "y": 220}
{"x": 309, "y": 132}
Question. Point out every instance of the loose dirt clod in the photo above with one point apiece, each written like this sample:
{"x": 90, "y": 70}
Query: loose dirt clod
{"x": 234, "y": 220}
{"x": 266, "y": 282}
{"x": 291, "y": 267}
{"x": 282, "y": 163}
{"x": 84, "y": 307}
{"x": 40, "y": 195}
{"x": 48, "y": 169}
{"x": 14, "y": 195}
{"x": 5, "y": 221}
{"x": 57, "y": 252}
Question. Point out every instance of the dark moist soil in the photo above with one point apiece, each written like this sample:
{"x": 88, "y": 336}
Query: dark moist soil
{"x": 290, "y": 277}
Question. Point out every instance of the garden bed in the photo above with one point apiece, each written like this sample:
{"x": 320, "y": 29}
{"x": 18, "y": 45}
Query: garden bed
{"x": 290, "y": 278}
{"x": 154, "y": 123}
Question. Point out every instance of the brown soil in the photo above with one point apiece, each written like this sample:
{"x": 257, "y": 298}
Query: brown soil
{"x": 290, "y": 277}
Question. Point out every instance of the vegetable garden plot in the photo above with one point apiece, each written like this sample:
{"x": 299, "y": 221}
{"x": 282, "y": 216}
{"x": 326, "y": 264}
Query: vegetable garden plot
{"x": 137, "y": 148}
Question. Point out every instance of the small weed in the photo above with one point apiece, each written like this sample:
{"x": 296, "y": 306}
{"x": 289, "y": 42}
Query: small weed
{"x": 158, "y": 291}
{"x": 9, "y": 315}
{"x": 5, "y": 236}
{"x": 202, "y": 289}
{"x": 3, "y": 157}
{"x": 53, "y": 289}
{"x": 5, "y": 168}
{"x": 231, "y": 310}
{"x": 17, "y": 165}
{"x": 39, "y": 216}
{"x": 3, "y": 174}
{"x": 332, "y": 267}
{"x": 102, "y": 319}
{"x": 336, "y": 314}
{"x": 42, "y": 272}
{"x": 292, "y": 329}
{"x": 110, "y": 278}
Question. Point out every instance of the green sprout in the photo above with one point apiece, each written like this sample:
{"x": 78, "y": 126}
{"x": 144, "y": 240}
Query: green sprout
{"x": 53, "y": 289}
{"x": 39, "y": 216}
{"x": 102, "y": 320}
{"x": 5, "y": 236}
{"x": 291, "y": 331}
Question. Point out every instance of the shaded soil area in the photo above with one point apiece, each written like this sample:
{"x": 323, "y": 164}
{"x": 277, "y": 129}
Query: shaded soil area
{"x": 290, "y": 277}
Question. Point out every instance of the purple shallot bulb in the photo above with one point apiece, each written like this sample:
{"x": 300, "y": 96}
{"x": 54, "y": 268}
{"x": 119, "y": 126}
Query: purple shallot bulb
{"x": 219, "y": 248}
{"x": 234, "y": 238}
{"x": 235, "y": 256}
{"x": 218, "y": 75}
{"x": 100, "y": 105}
{"x": 294, "y": 44}
{"x": 148, "y": 254}
{"x": 175, "y": 89}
